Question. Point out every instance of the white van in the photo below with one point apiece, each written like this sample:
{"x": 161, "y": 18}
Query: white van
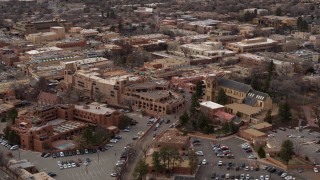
{"x": 157, "y": 126}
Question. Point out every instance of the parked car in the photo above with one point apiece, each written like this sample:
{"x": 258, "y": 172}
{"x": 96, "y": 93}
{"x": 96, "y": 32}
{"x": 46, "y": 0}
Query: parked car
{"x": 315, "y": 170}
{"x": 199, "y": 153}
{"x": 86, "y": 151}
{"x": 204, "y": 161}
{"x": 61, "y": 154}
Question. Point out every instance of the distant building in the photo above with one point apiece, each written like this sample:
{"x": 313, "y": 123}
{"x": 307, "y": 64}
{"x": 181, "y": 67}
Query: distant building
{"x": 56, "y": 33}
{"x": 26, "y": 28}
{"x": 252, "y": 45}
{"x": 276, "y": 21}
{"x": 201, "y": 27}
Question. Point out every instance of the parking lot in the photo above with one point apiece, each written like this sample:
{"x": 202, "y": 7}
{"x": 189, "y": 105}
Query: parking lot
{"x": 305, "y": 142}
{"x": 240, "y": 160}
{"x": 98, "y": 168}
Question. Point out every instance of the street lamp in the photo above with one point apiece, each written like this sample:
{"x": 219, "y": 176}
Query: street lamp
{"x": 98, "y": 155}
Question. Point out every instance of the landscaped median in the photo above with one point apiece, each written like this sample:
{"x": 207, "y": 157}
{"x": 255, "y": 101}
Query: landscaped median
{"x": 201, "y": 135}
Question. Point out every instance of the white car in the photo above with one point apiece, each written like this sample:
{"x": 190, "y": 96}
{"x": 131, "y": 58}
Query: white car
{"x": 73, "y": 165}
{"x": 60, "y": 166}
{"x": 61, "y": 154}
{"x": 261, "y": 177}
{"x": 252, "y": 157}
{"x": 227, "y": 176}
{"x": 126, "y": 130}
{"x": 59, "y": 163}
{"x": 283, "y": 175}
{"x": 271, "y": 135}
{"x": 14, "y": 147}
{"x": 204, "y": 161}
{"x": 266, "y": 177}
{"x": 246, "y": 168}
{"x": 113, "y": 141}
{"x": 315, "y": 170}
{"x": 119, "y": 163}
{"x": 220, "y": 163}
{"x": 85, "y": 163}
{"x": 69, "y": 165}
{"x": 291, "y": 136}
{"x": 65, "y": 166}
{"x": 199, "y": 153}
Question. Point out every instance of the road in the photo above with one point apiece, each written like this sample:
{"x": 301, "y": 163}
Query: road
{"x": 148, "y": 139}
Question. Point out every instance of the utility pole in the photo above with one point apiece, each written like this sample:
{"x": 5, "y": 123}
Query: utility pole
{"x": 87, "y": 168}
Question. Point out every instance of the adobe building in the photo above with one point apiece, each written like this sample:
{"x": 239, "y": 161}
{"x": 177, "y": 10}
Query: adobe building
{"x": 41, "y": 127}
{"x": 252, "y": 45}
{"x": 240, "y": 97}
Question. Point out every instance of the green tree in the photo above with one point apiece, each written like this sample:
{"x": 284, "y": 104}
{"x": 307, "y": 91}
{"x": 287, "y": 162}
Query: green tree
{"x": 268, "y": 117}
{"x": 88, "y": 135}
{"x": 193, "y": 161}
{"x": 222, "y": 97}
{"x": 284, "y": 112}
{"x": 203, "y": 123}
{"x": 141, "y": 169}
{"x": 13, "y": 138}
{"x": 124, "y": 122}
{"x": 199, "y": 89}
{"x": 302, "y": 24}
{"x": 286, "y": 151}
{"x": 12, "y": 115}
{"x": 156, "y": 162}
{"x": 165, "y": 157}
{"x": 261, "y": 152}
{"x": 254, "y": 82}
{"x": 238, "y": 114}
{"x": 278, "y": 11}
{"x": 267, "y": 81}
{"x": 184, "y": 118}
{"x": 194, "y": 103}
{"x": 233, "y": 128}
{"x": 174, "y": 156}
{"x": 226, "y": 128}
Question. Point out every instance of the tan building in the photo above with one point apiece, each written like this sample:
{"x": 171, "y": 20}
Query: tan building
{"x": 241, "y": 97}
{"x": 209, "y": 49}
{"x": 153, "y": 98}
{"x": 251, "y": 134}
{"x": 276, "y": 21}
{"x": 56, "y": 33}
{"x": 252, "y": 45}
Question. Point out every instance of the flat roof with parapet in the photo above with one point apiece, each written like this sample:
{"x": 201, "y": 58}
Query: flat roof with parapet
{"x": 95, "y": 108}
{"x": 262, "y": 42}
{"x": 211, "y": 105}
{"x": 66, "y": 126}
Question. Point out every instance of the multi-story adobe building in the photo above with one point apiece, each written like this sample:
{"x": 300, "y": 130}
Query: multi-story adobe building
{"x": 26, "y": 28}
{"x": 276, "y": 21}
{"x": 241, "y": 97}
{"x": 252, "y": 45}
{"x": 41, "y": 127}
{"x": 153, "y": 98}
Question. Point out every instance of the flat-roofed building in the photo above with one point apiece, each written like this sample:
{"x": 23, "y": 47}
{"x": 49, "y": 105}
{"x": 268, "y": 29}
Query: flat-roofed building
{"x": 172, "y": 138}
{"x": 252, "y": 45}
{"x": 41, "y": 127}
{"x": 153, "y": 98}
{"x": 251, "y": 134}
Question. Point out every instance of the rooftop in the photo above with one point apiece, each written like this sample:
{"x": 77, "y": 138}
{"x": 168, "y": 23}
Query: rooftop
{"x": 254, "y": 133}
{"x": 234, "y": 85}
{"x": 262, "y": 125}
{"x": 95, "y": 108}
{"x": 172, "y": 136}
{"x": 211, "y": 105}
